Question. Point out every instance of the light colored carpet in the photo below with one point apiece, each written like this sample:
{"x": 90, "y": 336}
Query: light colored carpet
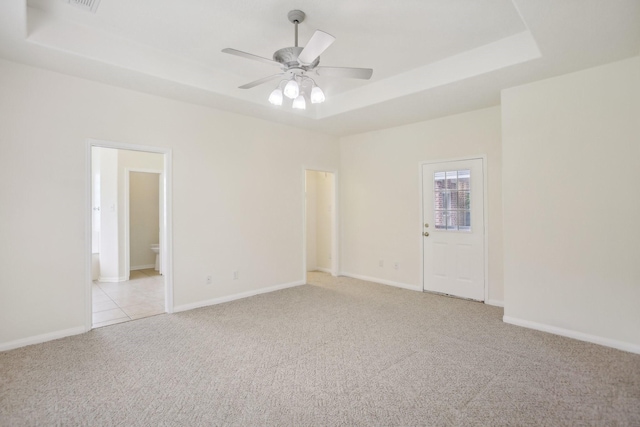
{"x": 339, "y": 351}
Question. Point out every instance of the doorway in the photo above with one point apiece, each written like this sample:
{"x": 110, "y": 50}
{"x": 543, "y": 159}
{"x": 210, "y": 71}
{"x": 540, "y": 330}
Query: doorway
{"x": 320, "y": 236}
{"x": 453, "y": 228}
{"x": 129, "y": 251}
{"x": 143, "y": 216}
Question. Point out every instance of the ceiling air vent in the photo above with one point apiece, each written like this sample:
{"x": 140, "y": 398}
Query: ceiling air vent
{"x": 88, "y": 5}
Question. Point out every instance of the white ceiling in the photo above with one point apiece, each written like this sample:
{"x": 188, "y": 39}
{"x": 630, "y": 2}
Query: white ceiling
{"x": 431, "y": 58}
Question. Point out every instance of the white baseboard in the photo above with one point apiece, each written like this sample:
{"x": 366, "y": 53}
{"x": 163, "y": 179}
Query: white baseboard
{"x": 383, "y": 281}
{"x": 113, "y": 279}
{"x": 37, "y": 339}
{"x": 324, "y": 270}
{"x": 142, "y": 267}
{"x": 495, "y": 302}
{"x": 228, "y": 298}
{"x": 620, "y": 345}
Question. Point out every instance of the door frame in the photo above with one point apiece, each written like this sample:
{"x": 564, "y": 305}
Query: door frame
{"x": 335, "y": 265}
{"x": 166, "y": 228}
{"x": 485, "y": 214}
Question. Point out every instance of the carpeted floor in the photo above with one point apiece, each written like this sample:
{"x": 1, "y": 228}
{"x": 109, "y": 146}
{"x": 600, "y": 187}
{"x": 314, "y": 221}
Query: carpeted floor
{"x": 339, "y": 351}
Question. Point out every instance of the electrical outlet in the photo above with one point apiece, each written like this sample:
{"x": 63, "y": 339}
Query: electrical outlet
{"x": 236, "y": 275}
{"x": 208, "y": 280}
{"x": 381, "y": 263}
{"x": 396, "y": 265}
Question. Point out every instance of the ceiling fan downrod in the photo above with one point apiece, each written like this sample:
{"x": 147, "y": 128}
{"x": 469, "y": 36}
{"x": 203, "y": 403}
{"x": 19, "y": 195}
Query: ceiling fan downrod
{"x": 296, "y": 17}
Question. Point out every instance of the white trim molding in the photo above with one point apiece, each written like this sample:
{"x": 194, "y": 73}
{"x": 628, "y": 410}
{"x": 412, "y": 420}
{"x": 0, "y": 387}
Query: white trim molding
{"x": 233, "y": 297}
{"x": 37, "y": 339}
{"x": 113, "y": 279}
{"x": 494, "y": 302}
{"x": 142, "y": 267}
{"x": 383, "y": 281}
{"x": 620, "y": 345}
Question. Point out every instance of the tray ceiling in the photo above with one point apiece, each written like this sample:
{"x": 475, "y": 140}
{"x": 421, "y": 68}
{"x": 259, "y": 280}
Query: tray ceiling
{"x": 430, "y": 57}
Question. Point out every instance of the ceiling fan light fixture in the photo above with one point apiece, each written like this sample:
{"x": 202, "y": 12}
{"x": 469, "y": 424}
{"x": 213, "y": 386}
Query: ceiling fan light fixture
{"x": 317, "y": 95}
{"x": 296, "y": 63}
{"x": 276, "y": 97}
{"x": 292, "y": 90}
{"x": 299, "y": 103}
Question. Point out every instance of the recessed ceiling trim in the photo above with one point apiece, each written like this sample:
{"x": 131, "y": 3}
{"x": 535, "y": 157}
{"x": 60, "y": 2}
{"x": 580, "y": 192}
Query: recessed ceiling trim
{"x": 508, "y": 51}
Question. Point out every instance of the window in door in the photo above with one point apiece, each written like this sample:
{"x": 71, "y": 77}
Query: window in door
{"x": 452, "y": 200}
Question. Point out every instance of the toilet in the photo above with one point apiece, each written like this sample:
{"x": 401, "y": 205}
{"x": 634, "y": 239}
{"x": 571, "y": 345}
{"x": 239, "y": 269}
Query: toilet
{"x": 155, "y": 247}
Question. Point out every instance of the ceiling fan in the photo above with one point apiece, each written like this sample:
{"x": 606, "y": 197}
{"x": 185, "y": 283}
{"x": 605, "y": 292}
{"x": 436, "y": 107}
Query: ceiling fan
{"x": 296, "y": 63}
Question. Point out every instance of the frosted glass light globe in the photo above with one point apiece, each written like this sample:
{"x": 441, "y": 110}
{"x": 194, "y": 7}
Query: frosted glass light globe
{"x": 291, "y": 90}
{"x": 317, "y": 95}
{"x": 276, "y": 97}
{"x": 299, "y": 103}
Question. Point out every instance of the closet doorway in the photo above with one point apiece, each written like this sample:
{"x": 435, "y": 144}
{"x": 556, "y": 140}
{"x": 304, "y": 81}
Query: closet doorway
{"x": 320, "y": 252}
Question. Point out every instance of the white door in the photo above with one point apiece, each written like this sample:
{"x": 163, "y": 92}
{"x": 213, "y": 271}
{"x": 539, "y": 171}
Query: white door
{"x": 453, "y": 228}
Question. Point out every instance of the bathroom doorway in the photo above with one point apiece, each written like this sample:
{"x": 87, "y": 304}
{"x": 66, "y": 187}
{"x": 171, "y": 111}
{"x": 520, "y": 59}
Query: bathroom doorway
{"x": 129, "y": 237}
{"x": 143, "y": 216}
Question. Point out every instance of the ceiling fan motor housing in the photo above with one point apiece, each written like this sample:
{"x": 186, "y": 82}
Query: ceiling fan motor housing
{"x": 288, "y": 57}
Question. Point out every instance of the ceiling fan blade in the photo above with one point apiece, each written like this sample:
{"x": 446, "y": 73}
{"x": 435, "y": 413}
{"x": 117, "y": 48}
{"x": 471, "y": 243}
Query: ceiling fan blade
{"x": 352, "y": 73}
{"x": 259, "y": 82}
{"x": 250, "y": 56}
{"x": 319, "y": 42}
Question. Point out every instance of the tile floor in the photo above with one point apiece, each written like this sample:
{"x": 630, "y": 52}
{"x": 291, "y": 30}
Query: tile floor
{"x": 140, "y": 296}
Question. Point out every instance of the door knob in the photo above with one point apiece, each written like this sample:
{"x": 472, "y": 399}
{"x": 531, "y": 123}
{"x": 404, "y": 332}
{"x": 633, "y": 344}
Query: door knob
{"x": 425, "y": 234}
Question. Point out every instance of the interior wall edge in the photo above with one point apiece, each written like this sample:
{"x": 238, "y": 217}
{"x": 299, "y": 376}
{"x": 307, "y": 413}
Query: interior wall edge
{"x": 570, "y": 333}
{"x": 37, "y": 339}
{"x": 233, "y": 297}
{"x": 142, "y": 267}
{"x": 382, "y": 281}
{"x": 114, "y": 279}
{"x": 494, "y": 302}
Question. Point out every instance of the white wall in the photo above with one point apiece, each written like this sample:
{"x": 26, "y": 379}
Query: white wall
{"x": 380, "y": 199}
{"x": 95, "y": 215}
{"x": 144, "y": 218}
{"x": 237, "y": 195}
{"x": 571, "y": 153}
{"x": 110, "y": 270}
{"x": 95, "y": 197}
